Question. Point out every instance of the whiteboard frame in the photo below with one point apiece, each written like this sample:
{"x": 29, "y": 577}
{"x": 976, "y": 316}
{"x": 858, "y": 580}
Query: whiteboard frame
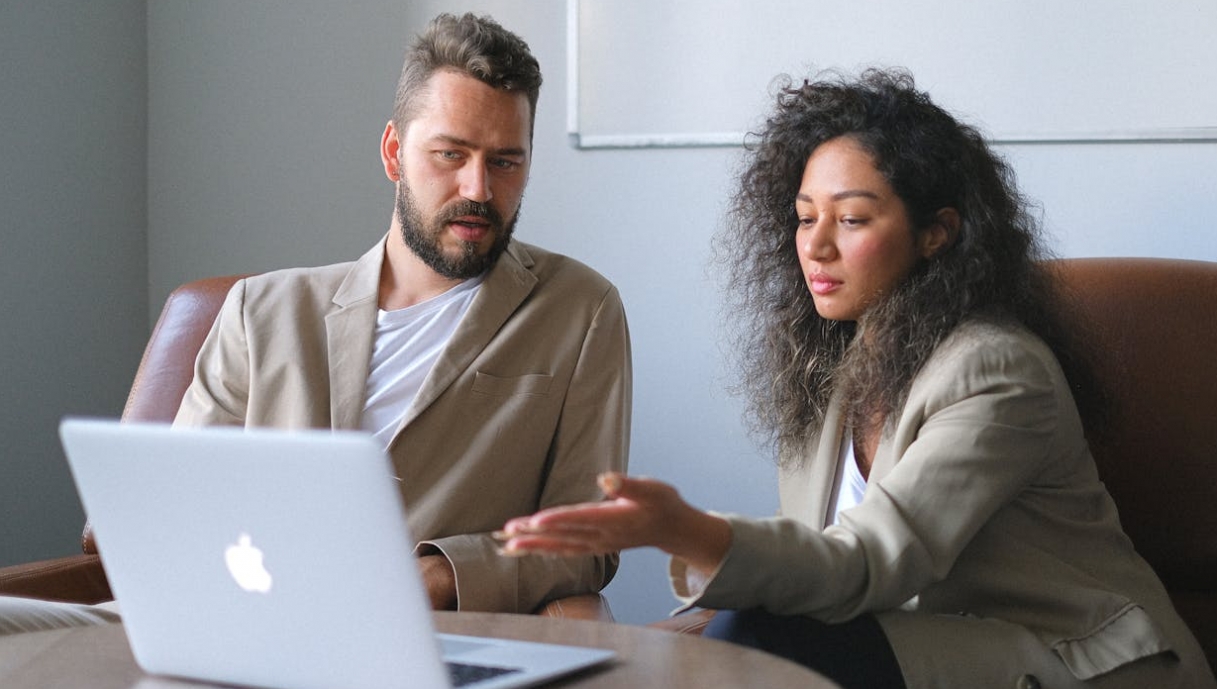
{"x": 582, "y": 141}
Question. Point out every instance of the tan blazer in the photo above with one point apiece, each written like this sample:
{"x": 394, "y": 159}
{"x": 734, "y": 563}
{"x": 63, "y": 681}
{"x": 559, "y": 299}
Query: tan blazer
{"x": 985, "y": 541}
{"x": 529, "y": 401}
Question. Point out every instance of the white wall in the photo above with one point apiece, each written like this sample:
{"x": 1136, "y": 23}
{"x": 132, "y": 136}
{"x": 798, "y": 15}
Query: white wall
{"x": 73, "y": 269}
{"x": 1124, "y": 199}
{"x": 1027, "y": 68}
{"x": 264, "y": 120}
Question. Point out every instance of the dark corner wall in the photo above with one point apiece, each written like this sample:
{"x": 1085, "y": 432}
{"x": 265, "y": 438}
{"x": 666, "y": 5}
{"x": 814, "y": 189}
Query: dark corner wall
{"x": 73, "y": 246}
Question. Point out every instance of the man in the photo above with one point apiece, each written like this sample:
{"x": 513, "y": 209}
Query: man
{"x": 496, "y": 373}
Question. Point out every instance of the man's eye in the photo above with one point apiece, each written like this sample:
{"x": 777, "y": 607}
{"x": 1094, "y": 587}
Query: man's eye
{"x": 504, "y": 163}
{"x": 449, "y": 155}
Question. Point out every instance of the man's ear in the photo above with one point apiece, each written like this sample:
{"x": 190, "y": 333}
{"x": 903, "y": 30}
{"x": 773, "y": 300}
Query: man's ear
{"x": 941, "y": 234}
{"x": 390, "y": 148}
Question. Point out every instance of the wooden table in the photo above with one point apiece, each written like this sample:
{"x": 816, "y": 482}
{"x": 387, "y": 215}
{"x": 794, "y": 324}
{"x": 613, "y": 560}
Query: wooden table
{"x": 99, "y": 657}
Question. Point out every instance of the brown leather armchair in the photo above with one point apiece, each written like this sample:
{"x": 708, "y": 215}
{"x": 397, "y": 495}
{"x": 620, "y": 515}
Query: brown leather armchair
{"x": 164, "y": 374}
{"x": 1149, "y": 326}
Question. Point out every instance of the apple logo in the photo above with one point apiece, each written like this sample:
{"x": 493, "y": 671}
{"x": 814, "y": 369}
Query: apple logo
{"x": 244, "y": 562}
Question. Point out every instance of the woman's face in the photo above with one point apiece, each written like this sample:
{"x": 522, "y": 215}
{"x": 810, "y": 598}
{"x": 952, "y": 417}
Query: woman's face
{"x": 854, "y": 239}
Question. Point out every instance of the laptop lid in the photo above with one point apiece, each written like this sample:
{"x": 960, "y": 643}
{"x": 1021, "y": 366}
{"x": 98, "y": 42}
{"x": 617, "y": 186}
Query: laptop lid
{"x": 264, "y": 557}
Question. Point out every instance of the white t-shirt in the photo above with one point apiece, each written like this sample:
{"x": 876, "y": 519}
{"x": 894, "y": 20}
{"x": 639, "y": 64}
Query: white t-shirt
{"x": 850, "y": 484}
{"x": 408, "y": 342}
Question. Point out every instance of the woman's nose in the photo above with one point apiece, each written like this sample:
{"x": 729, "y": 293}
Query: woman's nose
{"x": 815, "y": 243}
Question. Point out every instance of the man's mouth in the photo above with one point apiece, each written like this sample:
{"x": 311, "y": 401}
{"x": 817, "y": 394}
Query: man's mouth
{"x": 470, "y": 229}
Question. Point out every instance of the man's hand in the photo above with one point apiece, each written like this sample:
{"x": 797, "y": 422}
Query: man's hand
{"x": 440, "y": 580}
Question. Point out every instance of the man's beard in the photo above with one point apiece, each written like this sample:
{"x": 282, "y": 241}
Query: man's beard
{"x": 424, "y": 238}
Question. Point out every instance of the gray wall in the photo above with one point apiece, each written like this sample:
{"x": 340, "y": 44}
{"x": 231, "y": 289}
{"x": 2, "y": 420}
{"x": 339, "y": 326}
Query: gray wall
{"x": 73, "y": 265}
{"x": 263, "y": 123}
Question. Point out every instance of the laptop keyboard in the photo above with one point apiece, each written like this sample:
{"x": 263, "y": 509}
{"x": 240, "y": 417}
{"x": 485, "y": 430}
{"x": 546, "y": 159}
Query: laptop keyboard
{"x": 463, "y": 674}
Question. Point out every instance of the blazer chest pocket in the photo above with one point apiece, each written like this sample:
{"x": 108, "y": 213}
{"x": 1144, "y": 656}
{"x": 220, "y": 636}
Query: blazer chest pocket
{"x": 533, "y": 385}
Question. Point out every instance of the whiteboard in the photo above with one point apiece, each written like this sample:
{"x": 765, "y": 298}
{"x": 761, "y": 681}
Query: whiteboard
{"x": 701, "y": 72}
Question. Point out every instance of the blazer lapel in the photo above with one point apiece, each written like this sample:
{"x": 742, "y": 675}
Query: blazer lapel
{"x": 885, "y": 458}
{"x": 506, "y": 286}
{"x": 806, "y": 491}
{"x": 350, "y": 331}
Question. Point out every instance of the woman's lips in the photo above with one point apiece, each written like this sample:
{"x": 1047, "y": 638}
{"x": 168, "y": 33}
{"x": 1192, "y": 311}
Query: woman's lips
{"x": 820, "y": 283}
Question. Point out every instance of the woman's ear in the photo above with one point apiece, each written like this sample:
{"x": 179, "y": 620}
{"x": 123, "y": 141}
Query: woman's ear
{"x": 941, "y": 234}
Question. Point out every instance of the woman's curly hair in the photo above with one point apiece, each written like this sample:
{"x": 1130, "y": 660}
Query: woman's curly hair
{"x": 791, "y": 359}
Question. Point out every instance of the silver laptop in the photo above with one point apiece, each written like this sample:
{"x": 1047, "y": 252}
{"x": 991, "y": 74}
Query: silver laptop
{"x": 277, "y": 559}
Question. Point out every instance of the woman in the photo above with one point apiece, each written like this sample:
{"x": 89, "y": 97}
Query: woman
{"x": 943, "y": 524}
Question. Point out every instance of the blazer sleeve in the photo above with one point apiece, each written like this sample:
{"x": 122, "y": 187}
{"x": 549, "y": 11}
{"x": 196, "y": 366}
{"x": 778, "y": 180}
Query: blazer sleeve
{"x": 219, "y": 393}
{"x": 974, "y": 432}
{"x": 592, "y": 436}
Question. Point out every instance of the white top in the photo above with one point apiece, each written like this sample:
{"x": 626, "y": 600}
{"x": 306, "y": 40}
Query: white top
{"x": 850, "y": 484}
{"x": 408, "y": 343}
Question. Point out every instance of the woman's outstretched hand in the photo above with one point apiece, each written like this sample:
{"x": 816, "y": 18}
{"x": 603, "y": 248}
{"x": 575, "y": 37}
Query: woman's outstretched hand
{"x": 636, "y": 512}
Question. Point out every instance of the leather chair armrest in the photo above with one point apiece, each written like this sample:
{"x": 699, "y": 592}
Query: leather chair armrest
{"x": 72, "y": 579}
{"x": 692, "y": 622}
{"x": 588, "y": 606}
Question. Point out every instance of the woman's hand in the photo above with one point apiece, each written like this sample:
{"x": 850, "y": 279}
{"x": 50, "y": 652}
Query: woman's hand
{"x": 637, "y": 512}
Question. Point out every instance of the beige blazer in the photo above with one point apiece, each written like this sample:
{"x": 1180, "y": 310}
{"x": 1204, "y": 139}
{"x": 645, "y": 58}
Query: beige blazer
{"x": 985, "y": 542}
{"x": 529, "y": 401}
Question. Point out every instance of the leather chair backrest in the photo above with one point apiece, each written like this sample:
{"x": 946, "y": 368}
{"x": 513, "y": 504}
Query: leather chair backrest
{"x": 168, "y": 363}
{"x": 167, "y": 367}
{"x": 1149, "y": 327}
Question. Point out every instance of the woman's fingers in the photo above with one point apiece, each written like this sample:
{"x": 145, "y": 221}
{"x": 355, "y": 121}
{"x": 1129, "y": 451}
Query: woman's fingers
{"x": 592, "y": 528}
{"x": 561, "y": 540}
{"x": 589, "y": 514}
{"x": 552, "y": 545}
{"x": 637, "y": 512}
{"x": 610, "y": 483}
{"x": 642, "y": 490}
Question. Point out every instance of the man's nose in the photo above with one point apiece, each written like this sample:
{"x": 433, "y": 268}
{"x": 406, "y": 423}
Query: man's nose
{"x": 475, "y": 182}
